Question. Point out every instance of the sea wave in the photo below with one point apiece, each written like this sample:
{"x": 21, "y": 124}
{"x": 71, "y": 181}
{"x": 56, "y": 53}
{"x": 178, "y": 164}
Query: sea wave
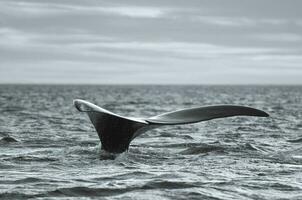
{"x": 48, "y": 150}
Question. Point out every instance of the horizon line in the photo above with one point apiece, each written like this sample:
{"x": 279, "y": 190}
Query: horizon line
{"x": 158, "y": 84}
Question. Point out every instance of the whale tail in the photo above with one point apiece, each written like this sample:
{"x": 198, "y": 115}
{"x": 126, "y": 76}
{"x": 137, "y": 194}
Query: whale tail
{"x": 116, "y": 132}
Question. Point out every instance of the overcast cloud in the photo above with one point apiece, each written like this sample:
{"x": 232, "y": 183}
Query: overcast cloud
{"x": 157, "y": 42}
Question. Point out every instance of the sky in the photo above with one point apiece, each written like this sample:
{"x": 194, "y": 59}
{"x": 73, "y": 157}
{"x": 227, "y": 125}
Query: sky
{"x": 151, "y": 42}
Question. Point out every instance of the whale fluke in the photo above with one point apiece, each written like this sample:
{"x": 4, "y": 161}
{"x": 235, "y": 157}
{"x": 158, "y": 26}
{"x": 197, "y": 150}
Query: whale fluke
{"x": 116, "y": 132}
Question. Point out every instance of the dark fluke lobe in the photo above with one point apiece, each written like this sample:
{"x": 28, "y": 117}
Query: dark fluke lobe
{"x": 116, "y": 132}
{"x": 193, "y": 115}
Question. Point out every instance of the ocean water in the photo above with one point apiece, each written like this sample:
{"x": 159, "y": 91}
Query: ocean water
{"x": 49, "y": 150}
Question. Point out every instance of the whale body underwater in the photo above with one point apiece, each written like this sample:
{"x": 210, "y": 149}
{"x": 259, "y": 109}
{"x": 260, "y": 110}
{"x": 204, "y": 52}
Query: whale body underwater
{"x": 116, "y": 132}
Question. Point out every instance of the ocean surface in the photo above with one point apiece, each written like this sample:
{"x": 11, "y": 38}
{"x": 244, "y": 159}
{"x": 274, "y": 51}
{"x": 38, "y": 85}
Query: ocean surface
{"x": 49, "y": 150}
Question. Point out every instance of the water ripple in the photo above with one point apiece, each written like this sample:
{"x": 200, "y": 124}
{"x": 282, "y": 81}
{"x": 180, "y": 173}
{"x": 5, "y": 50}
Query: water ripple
{"x": 48, "y": 150}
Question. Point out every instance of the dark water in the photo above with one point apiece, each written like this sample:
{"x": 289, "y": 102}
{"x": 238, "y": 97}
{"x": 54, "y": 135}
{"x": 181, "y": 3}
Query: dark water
{"x": 56, "y": 152}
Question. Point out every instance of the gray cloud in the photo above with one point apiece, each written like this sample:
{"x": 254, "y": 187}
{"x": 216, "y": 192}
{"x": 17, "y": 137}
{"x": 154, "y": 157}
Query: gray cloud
{"x": 151, "y": 41}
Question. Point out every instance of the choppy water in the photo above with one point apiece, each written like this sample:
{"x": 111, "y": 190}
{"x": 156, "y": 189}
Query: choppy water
{"x": 56, "y": 152}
